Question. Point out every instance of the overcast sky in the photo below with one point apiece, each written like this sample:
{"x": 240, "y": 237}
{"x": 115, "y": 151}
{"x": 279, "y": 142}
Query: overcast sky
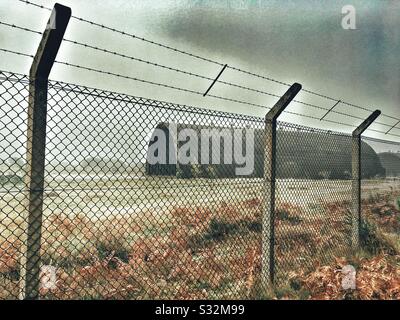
{"x": 293, "y": 41}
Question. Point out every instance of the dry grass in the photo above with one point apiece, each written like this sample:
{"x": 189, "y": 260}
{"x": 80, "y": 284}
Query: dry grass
{"x": 195, "y": 255}
{"x": 376, "y": 278}
{"x": 384, "y": 211}
{"x": 203, "y": 252}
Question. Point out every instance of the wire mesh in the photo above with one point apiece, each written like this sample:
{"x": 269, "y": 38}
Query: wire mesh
{"x": 116, "y": 226}
{"x": 313, "y": 202}
{"x": 13, "y": 198}
{"x": 109, "y": 229}
{"x": 205, "y": 59}
{"x": 381, "y": 193}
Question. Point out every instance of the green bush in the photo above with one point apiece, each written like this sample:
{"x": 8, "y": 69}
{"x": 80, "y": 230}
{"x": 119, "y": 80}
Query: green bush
{"x": 284, "y": 215}
{"x": 184, "y": 172}
{"x": 10, "y": 179}
{"x": 211, "y": 172}
{"x": 373, "y": 241}
{"x": 196, "y": 171}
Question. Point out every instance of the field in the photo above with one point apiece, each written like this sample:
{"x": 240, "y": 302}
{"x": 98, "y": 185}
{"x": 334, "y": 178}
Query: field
{"x": 137, "y": 238}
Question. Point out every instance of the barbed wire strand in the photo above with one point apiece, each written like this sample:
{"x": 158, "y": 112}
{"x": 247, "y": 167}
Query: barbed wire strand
{"x": 185, "y": 90}
{"x": 138, "y": 79}
{"x": 205, "y": 59}
{"x": 85, "y": 45}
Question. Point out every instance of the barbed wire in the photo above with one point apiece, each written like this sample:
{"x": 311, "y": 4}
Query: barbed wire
{"x": 35, "y": 5}
{"x": 17, "y": 53}
{"x": 207, "y": 59}
{"x": 127, "y": 34}
{"x": 157, "y": 84}
{"x": 85, "y": 45}
{"x": 187, "y": 90}
{"x": 309, "y": 91}
{"x": 139, "y": 80}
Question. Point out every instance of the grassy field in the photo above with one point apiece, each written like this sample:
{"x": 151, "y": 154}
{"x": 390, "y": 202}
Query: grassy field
{"x": 136, "y": 238}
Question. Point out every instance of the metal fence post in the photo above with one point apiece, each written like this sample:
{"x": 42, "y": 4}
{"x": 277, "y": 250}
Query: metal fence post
{"x": 268, "y": 218}
{"x": 36, "y": 145}
{"x": 356, "y": 177}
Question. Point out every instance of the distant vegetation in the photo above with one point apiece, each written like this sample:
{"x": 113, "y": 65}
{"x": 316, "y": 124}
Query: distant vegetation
{"x": 12, "y": 171}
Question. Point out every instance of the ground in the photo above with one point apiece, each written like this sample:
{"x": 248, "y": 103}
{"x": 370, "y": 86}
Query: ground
{"x": 121, "y": 237}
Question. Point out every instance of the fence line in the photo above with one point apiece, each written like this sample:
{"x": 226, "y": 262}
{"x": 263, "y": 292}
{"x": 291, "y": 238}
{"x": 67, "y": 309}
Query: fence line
{"x": 85, "y": 45}
{"x": 294, "y": 220}
{"x": 170, "y": 230}
{"x": 200, "y": 93}
{"x": 92, "y": 23}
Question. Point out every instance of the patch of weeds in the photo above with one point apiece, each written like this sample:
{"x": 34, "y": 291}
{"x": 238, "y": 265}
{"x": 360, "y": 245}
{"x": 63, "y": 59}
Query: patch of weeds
{"x": 373, "y": 241}
{"x": 117, "y": 250}
{"x": 376, "y": 211}
{"x": 11, "y": 275}
{"x": 254, "y": 226}
{"x": 284, "y": 215}
{"x": 202, "y": 285}
{"x": 219, "y": 230}
{"x": 293, "y": 290}
{"x": 10, "y": 179}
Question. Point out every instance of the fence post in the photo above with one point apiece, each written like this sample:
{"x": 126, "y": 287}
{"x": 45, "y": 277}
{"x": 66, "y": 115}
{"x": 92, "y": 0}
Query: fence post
{"x": 36, "y": 145}
{"x": 356, "y": 177}
{"x": 268, "y": 218}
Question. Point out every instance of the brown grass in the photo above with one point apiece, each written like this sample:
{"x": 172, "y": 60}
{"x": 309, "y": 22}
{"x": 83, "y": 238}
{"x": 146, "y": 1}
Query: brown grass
{"x": 185, "y": 253}
{"x": 376, "y": 278}
{"x": 121, "y": 258}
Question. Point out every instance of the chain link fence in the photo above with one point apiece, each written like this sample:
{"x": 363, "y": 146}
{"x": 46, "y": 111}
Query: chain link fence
{"x": 381, "y": 194}
{"x": 117, "y": 226}
{"x": 313, "y": 217}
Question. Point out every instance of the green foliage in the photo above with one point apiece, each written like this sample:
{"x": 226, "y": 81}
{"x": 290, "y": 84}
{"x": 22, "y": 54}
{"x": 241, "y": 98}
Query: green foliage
{"x": 12, "y": 179}
{"x": 211, "y": 172}
{"x": 373, "y": 241}
{"x": 196, "y": 171}
{"x": 192, "y": 171}
{"x": 114, "y": 249}
{"x": 218, "y": 230}
{"x": 284, "y": 215}
{"x": 180, "y": 174}
{"x": 184, "y": 172}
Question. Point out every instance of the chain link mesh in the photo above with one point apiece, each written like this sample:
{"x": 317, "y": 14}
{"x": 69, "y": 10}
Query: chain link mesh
{"x": 313, "y": 201}
{"x": 381, "y": 194}
{"x": 117, "y": 227}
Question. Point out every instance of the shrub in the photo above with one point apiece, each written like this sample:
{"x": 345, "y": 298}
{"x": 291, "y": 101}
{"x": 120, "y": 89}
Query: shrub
{"x": 10, "y": 179}
{"x": 289, "y": 213}
{"x": 196, "y": 171}
{"x": 211, "y": 172}
{"x": 219, "y": 230}
{"x": 373, "y": 241}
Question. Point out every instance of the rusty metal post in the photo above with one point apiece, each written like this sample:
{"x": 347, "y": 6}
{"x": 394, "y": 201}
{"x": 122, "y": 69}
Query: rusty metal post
{"x": 268, "y": 218}
{"x": 356, "y": 177}
{"x": 36, "y": 145}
